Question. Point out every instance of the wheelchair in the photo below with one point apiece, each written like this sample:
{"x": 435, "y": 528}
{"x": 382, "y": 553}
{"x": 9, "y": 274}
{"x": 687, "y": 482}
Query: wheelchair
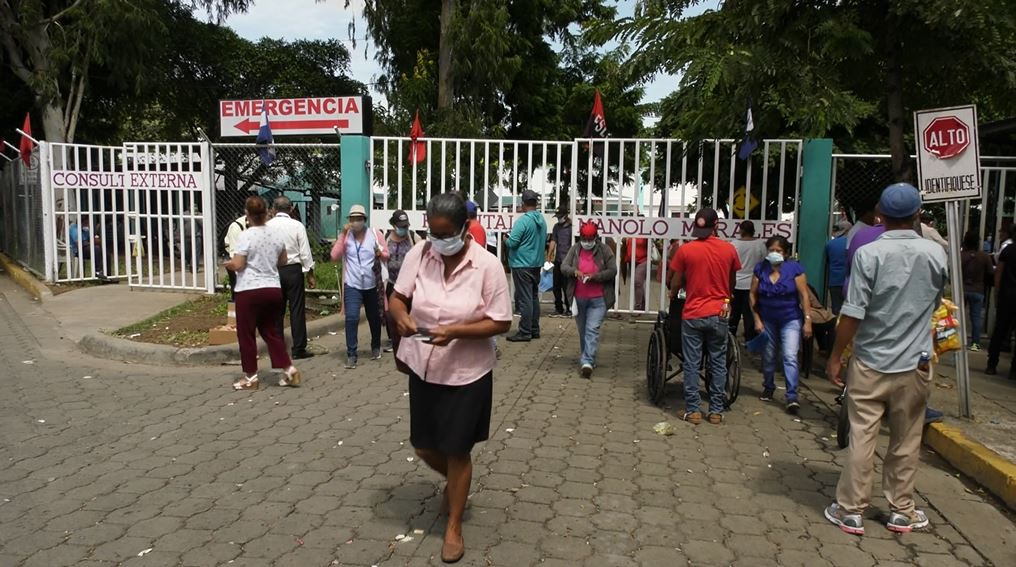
{"x": 665, "y": 358}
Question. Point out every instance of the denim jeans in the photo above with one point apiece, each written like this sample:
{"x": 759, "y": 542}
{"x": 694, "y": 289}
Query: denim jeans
{"x": 705, "y": 336}
{"x": 354, "y": 299}
{"x": 527, "y": 299}
{"x": 591, "y": 314}
{"x": 975, "y": 305}
{"x": 787, "y": 336}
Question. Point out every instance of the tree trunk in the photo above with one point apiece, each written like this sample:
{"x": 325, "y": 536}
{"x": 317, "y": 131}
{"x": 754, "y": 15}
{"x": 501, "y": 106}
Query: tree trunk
{"x": 894, "y": 102}
{"x": 445, "y": 76}
{"x": 53, "y": 126}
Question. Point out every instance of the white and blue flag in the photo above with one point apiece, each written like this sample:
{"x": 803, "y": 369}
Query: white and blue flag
{"x": 264, "y": 141}
{"x": 748, "y": 144}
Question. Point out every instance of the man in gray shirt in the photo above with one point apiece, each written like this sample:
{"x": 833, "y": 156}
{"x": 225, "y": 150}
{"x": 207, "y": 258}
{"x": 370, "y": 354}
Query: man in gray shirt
{"x": 896, "y": 284}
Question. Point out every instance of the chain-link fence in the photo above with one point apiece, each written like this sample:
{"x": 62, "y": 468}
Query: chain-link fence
{"x": 21, "y": 222}
{"x": 309, "y": 174}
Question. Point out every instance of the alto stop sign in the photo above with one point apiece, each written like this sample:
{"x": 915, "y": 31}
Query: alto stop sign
{"x": 946, "y": 137}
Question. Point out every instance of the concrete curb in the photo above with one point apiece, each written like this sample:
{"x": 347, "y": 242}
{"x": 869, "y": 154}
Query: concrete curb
{"x": 980, "y": 463}
{"x": 114, "y": 348}
{"x": 23, "y": 278}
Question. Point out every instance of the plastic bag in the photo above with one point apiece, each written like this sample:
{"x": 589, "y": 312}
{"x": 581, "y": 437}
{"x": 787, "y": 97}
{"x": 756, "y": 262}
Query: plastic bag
{"x": 945, "y": 329}
{"x": 546, "y": 281}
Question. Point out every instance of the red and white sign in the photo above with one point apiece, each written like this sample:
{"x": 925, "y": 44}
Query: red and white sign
{"x": 69, "y": 179}
{"x": 659, "y": 228}
{"x": 293, "y": 116}
{"x": 948, "y": 160}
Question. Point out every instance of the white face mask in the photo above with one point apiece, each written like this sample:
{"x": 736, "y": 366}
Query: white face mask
{"x": 588, "y": 244}
{"x": 447, "y": 246}
{"x": 775, "y": 258}
{"x": 357, "y": 225}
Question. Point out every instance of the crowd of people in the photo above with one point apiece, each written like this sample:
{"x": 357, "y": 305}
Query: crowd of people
{"x": 445, "y": 298}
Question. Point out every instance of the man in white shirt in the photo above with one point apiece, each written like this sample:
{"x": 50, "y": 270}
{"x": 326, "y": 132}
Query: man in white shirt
{"x": 232, "y": 237}
{"x": 291, "y": 276}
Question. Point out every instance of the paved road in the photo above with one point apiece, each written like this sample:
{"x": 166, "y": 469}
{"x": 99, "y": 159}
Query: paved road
{"x": 107, "y": 464}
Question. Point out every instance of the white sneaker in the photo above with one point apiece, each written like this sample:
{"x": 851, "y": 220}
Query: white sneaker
{"x": 586, "y": 371}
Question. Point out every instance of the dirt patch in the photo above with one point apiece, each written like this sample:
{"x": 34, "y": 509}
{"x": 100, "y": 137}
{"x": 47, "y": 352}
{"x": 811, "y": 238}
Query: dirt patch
{"x": 187, "y": 324}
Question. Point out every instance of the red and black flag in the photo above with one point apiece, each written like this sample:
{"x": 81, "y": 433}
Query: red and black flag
{"x": 417, "y": 149}
{"x": 26, "y": 141}
{"x": 596, "y": 127}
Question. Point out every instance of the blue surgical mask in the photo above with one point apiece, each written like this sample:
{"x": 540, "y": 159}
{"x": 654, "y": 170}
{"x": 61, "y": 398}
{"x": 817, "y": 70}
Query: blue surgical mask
{"x": 447, "y": 246}
{"x": 775, "y": 258}
{"x": 357, "y": 225}
{"x": 401, "y": 231}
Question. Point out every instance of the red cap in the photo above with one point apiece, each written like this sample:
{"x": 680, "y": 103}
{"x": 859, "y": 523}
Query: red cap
{"x": 588, "y": 230}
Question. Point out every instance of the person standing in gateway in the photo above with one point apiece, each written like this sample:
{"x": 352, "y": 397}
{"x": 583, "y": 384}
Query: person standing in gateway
{"x": 526, "y": 244}
{"x": 299, "y": 264}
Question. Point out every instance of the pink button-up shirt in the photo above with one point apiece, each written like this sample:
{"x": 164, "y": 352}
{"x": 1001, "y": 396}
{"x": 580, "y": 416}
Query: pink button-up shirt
{"x": 476, "y": 290}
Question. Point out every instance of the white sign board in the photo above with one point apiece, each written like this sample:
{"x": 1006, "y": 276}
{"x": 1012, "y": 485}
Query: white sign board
{"x": 948, "y": 158}
{"x": 660, "y": 228}
{"x": 293, "y": 116}
{"x": 67, "y": 179}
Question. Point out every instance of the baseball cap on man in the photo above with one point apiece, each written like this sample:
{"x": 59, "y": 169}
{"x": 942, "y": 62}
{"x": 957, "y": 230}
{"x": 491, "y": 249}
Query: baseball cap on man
{"x": 358, "y": 210}
{"x": 470, "y": 208}
{"x": 530, "y": 196}
{"x": 705, "y": 223}
{"x": 400, "y": 219}
{"x": 588, "y": 230}
{"x": 899, "y": 201}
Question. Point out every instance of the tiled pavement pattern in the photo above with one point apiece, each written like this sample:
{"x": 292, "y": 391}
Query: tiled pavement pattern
{"x": 101, "y": 462}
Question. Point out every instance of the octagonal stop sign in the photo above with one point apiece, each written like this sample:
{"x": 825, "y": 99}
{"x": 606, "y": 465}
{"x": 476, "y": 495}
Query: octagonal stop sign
{"x": 946, "y": 137}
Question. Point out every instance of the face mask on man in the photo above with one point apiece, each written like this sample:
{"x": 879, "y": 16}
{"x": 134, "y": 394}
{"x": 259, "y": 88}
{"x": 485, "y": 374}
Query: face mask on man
{"x": 357, "y": 225}
{"x": 447, "y": 246}
{"x": 588, "y": 244}
{"x": 402, "y": 232}
{"x": 775, "y": 258}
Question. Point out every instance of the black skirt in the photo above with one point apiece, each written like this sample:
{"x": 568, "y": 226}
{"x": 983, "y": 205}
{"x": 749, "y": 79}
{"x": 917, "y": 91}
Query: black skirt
{"x": 449, "y": 419}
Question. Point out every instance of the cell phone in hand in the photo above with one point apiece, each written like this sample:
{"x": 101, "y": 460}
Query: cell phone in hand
{"x": 422, "y": 334}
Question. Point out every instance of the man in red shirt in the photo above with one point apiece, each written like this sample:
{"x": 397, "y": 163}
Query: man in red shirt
{"x": 706, "y": 269}
{"x": 475, "y": 230}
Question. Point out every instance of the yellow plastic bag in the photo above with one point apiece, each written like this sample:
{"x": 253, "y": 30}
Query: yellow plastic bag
{"x": 946, "y": 329}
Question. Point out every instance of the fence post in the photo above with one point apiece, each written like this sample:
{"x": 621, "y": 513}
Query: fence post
{"x": 355, "y": 162}
{"x": 208, "y": 216}
{"x": 48, "y": 213}
{"x": 813, "y": 215}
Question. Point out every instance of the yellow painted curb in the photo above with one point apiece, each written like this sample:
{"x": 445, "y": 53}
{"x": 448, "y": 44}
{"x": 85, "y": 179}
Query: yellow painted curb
{"x": 988, "y": 468}
{"x": 22, "y": 277}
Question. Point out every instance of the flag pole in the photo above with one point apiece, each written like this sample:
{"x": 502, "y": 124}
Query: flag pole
{"x": 29, "y": 136}
{"x": 11, "y": 146}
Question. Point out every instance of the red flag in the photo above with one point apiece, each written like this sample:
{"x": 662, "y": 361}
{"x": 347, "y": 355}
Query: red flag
{"x": 596, "y": 127}
{"x": 417, "y": 150}
{"x": 26, "y": 144}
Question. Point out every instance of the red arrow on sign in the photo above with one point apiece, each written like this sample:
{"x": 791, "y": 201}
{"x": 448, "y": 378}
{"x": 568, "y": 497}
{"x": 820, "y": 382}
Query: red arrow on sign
{"x": 251, "y": 126}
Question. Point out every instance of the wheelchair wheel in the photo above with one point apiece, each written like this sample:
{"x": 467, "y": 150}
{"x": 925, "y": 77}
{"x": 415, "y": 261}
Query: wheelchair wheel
{"x": 733, "y": 371}
{"x": 656, "y": 366}
{"x": 807, "y": 357}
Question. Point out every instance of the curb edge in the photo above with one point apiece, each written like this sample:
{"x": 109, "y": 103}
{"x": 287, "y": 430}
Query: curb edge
{"x": 24, "y": 279}
{"x": 973, "y": 459}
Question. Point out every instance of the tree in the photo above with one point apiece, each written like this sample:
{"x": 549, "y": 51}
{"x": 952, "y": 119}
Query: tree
{"x": 849, "y": 69}
{"x": 52, "y": 46}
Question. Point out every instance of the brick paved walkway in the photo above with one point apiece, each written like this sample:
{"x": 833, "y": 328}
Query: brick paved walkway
{"x": 107, "y": 464}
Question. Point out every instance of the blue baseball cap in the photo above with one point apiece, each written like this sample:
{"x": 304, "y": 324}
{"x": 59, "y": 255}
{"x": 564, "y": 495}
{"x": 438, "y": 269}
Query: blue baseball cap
{"x": 470, "y": 208}
{"x": 899, "y": 201}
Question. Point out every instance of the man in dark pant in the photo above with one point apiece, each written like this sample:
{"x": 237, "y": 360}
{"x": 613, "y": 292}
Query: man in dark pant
{"x": 560, "y": 244}
{"x": 291, "y": 276}
{"x": 1005, "y": 283}
{"x": 527, "y": 294}
{"x": 527, "y": 246}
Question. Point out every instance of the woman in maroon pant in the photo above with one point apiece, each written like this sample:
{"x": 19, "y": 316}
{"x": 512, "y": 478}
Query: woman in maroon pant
{"x": 258, "y": 254}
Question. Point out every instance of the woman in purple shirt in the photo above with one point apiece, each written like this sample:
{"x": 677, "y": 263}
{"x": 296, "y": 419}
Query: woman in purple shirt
{"x": 779, "y": 301}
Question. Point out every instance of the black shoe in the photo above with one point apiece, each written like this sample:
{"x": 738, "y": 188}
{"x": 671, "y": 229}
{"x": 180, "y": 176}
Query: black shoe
{"x": 535, "y": 336}
{"x": 991, "y": 371}
{"x": 518, "y": 339}
{"x": 302, "y": 355}
{"x": 767, "y": 395}
{"x": 793, "y": 408}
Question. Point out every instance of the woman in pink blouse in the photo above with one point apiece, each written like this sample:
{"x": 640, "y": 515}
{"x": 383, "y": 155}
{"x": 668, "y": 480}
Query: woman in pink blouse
{"x": 459, "y": 300}
{"x": 590, "y": 270}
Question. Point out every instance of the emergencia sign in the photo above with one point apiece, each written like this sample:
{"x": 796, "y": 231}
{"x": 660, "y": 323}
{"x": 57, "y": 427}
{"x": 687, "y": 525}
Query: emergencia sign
{"x": 294, "y": 116}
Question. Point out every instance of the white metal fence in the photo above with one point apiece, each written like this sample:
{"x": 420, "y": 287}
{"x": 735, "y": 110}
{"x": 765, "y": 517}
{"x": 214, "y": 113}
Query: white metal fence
{"x": 635, "y": 189}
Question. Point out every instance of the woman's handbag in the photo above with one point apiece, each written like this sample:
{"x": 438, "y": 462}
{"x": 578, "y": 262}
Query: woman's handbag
{"x": 396, "y": 337}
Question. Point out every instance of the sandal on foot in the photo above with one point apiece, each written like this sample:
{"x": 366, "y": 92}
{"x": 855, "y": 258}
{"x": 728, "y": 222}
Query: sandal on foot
{"x": 453, "y": 552}
{"x": 247, "y": 383}
{"x": 290, "y": 377}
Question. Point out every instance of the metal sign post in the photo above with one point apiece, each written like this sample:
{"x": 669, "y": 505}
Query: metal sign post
{"x": 948, "y": 170}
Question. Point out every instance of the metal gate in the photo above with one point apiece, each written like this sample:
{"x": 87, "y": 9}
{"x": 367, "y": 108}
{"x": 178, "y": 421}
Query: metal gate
{"x": 643, "y": 195}
{"x": 633, "y": 188}
{"x": 170, "y": 228}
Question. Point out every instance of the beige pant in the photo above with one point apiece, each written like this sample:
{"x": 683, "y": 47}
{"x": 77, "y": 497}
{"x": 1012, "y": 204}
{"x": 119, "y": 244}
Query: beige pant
{"x": 870, "y": 395}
